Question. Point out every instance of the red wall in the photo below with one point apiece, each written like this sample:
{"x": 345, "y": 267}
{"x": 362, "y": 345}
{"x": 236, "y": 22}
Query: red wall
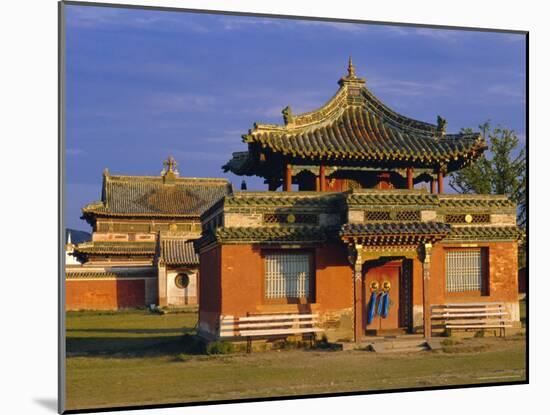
{"x": 242, "y": 272}
{"x": 104, "y": 294}
{"x": 209, "y": 287}
{"x": 502, "y": 269}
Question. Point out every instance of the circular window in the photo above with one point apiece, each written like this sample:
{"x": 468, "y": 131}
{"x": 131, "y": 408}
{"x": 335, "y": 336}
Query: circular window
{"x": 182, "y": 280}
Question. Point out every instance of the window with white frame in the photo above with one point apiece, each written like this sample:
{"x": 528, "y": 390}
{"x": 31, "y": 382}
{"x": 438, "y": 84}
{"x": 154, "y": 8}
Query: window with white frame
{"x": 464, "y": 270}
{"x": 287, "y": 275}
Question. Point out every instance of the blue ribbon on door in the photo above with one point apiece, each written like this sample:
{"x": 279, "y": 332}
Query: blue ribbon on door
{"x": 371, "y": 310}
{"x": 384, "y": 304}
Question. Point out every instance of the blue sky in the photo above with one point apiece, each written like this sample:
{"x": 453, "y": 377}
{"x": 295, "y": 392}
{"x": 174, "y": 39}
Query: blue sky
{"x": 144, "y": 84}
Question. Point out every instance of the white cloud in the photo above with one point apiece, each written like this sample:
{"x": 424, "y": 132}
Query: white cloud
{"x": 94, "y": 16}
{"x": 173, "y": 102}
{"x": 198, "y": 156}
{"x": 74, "y": 151}
{"x": 448, "y": 35}
{"x": 507, "y": 91}
{"x": 412, "y": 88}
{"x": 230, "y": 136}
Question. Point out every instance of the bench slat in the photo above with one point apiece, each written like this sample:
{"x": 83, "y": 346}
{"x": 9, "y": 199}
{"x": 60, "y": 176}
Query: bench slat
{"x": 272, "y": 317}
{"x": 451, "y": 315}
{"x": 458, "y": 305}
{"x": 469, "y": 321}
{"x": 268, "y": 325}
{"x": 273, "y": 324}
{"x": 464, "y": 310}
{"x": 251, "y": 333}
{"x": 452, "y": 326}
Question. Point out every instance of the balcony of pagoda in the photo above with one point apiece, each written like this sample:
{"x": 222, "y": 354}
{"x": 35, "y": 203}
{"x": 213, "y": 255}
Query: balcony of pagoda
{"x": 323, "y": 178}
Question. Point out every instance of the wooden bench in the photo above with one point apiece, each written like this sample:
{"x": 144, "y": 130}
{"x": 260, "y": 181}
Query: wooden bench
{"x": 470, "y": 316}
{"x": 268, "y": 326}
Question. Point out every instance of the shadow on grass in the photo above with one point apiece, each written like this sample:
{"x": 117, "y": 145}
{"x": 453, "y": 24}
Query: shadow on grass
{"x": 133, "y": 331}
{"x": 134, "y": 347}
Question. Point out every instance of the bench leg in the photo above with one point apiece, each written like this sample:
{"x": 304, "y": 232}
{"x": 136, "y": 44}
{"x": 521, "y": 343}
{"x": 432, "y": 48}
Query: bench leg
{"x": 248, "y": 345}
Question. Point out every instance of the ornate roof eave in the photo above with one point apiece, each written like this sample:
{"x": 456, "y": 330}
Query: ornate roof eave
{"x": 120, "y": 250}
{"x": 394, "y": 234}
{"x": 100, "y": 213}
{"x": 268, "y": 235}
{"x": 296, "y": 139}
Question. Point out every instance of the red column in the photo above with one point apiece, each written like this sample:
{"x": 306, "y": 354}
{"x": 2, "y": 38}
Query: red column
{"x": 322, "y": 180}
{"x": 410, "y": 183}
{"x": 426, "y": 305}
{"x": 440, "y": 182}
{"x": 288, "y": 178}
{"x": 432, "y": 186}
{"x": 317, "y": 184}
{"x": 358, "y": 306}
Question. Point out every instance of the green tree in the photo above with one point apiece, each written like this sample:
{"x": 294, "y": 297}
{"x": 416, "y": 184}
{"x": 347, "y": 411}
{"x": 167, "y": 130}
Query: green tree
{"x": 502, "y": 173}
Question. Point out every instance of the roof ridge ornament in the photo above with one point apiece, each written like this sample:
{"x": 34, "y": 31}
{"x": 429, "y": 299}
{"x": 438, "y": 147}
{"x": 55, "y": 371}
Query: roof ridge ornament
{"x": 351, "y": 69}
{"x": 441, "y": 125}
{"x": 351, "y": 77}
{"x": 287, "y": 115}
{"x": 170, "y": 172}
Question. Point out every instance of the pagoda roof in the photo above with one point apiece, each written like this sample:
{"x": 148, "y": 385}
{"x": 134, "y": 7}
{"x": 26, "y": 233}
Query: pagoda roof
{"x": 157, "y": 196}
{"x": 355, "y": 128}
{"x": 178, "y": 252}
{"x": 115, "y": 248}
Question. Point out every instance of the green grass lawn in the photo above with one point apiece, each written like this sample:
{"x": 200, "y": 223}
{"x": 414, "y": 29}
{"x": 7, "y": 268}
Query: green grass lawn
{"x": 130, "y": 358}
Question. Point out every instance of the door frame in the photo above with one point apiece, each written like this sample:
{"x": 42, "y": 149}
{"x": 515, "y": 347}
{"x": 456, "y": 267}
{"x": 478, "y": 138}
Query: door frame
{"x": 404, "y": 302}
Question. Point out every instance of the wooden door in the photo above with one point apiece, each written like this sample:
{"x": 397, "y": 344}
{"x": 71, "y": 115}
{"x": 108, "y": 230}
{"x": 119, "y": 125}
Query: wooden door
{"x": 385, "y": 276}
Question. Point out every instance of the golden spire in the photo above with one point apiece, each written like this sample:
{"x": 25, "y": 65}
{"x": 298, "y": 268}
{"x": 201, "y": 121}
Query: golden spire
{"x": 351, "y": 69}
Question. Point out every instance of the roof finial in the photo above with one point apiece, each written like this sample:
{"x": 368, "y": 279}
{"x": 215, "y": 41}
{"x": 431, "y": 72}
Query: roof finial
{"x": 170, "y": 169}
{"x": 441, "y": 125}
{"x": 351, "y": 78}
{"x": 351, "y": 69}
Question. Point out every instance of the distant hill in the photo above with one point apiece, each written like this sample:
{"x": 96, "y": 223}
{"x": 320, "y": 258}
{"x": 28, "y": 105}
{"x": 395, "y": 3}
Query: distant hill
{"x": 77, "y": 236}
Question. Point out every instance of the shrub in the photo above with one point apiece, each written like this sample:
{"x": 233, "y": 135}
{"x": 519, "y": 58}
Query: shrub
{"x": 192, "y": 345}
{"x": 222, "y": 347}
{"x": 323, "y": 343}
{"x": 450, "y": 342}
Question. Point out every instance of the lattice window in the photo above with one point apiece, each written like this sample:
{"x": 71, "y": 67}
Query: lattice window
{"x": 291, "y": 218}
{"x": 377, "y": 215}
{"x": 403, "y": 216}
{"x": 468, "y": 218}
{"x": 287, "y": 275}
{"x": 410, "y": 215}
{"x": 463, "y": 271}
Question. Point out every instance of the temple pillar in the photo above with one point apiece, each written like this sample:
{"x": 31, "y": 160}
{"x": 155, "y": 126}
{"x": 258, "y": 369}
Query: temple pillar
{"x": 162, "y": 284}
{"x": 410, "y": 184}
{"x": 317, "y": 184}
{"x": 432, "y": 186}
{"x": 288, "y": 178}
{"x": 322, "y": 178}
{"x": 357, "y": 280}
{"x": 426, "y": 255}
{"x": 440, "y": 182}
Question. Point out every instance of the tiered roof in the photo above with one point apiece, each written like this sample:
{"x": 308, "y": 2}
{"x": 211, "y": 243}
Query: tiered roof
{"x": 355, "y": 128}
{"x": 116, "y": 248}
{"x": 156, "y": 196}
